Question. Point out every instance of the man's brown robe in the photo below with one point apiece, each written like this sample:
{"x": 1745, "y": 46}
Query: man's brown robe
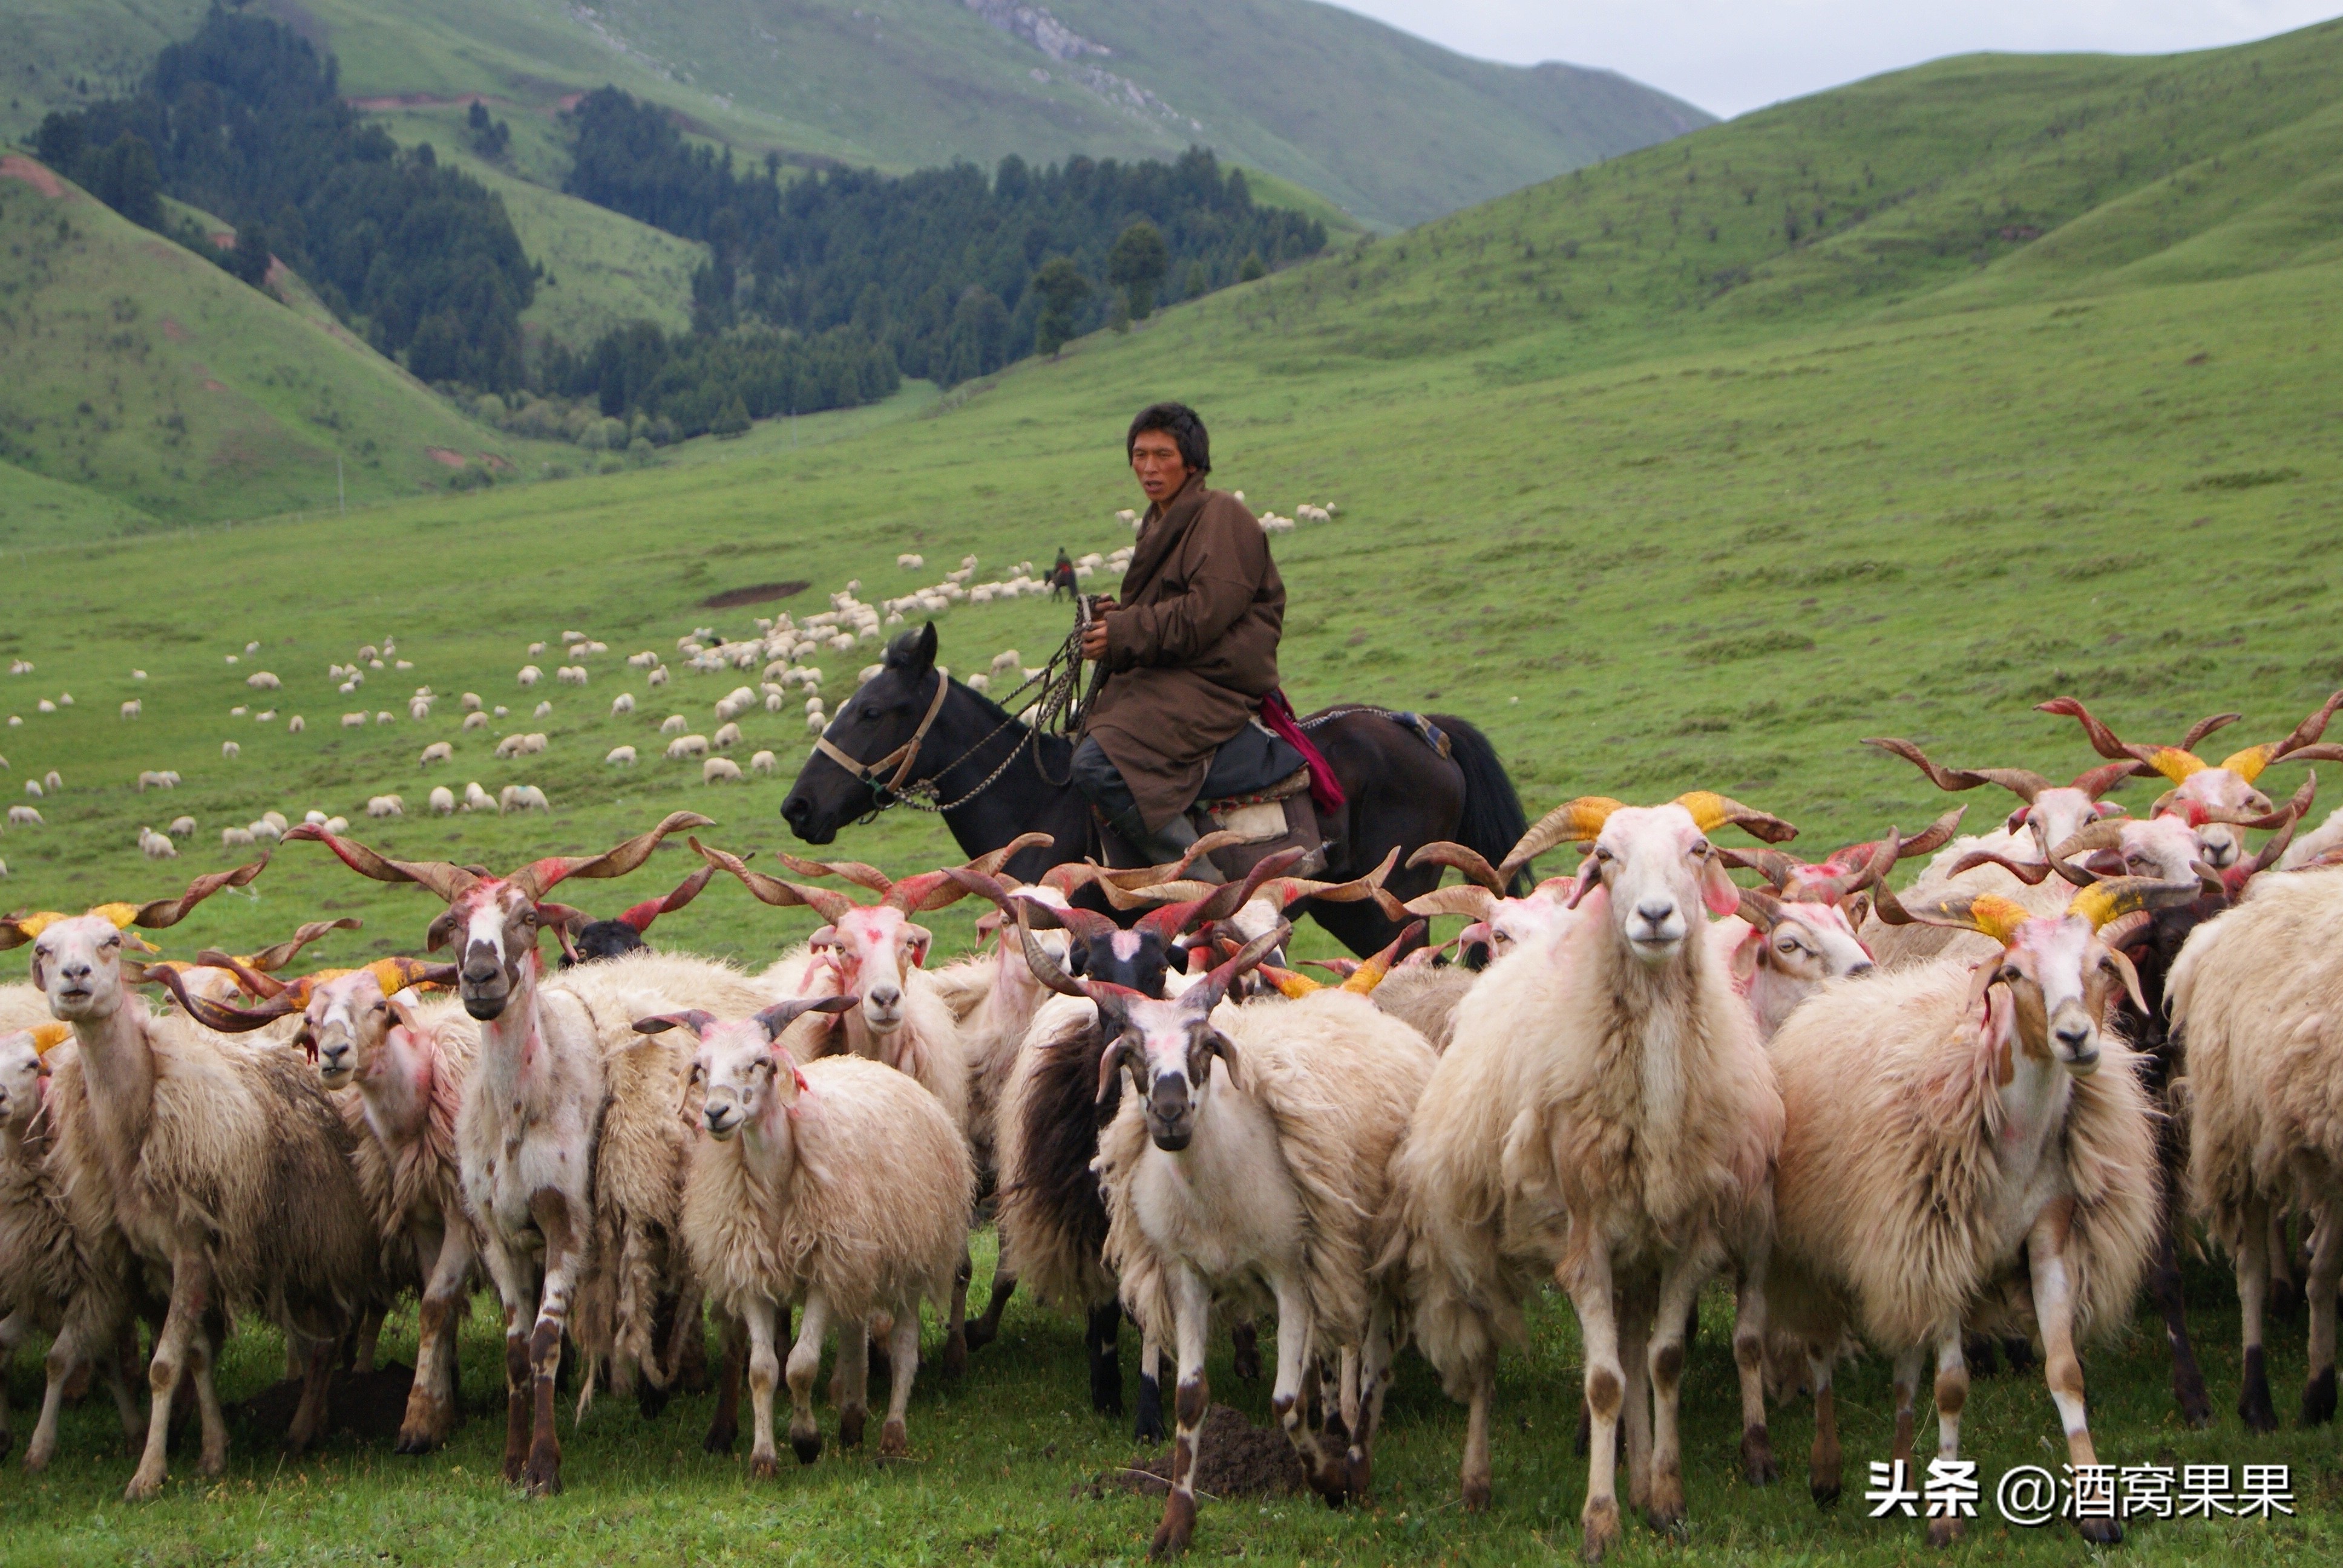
{"x": 1191, "y": 649}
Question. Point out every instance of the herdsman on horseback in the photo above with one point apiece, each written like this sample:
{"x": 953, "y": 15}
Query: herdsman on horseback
{"x": 1190, "y": 706}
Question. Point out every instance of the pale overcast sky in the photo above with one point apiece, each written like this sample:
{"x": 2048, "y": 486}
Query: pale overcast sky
{"x": 1730, "y": 56}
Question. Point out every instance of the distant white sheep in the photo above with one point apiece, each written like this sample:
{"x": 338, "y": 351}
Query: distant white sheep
{"x": 132, "y": 709}
{"x": 32, "y": 788}
{"x": 443, "y": 800}
{"x": 522, "y": 798}
{"x": 685, "y": 745}
{"x": 157, "y": 846}
{"x": 384, "y": 718}
{"x": 235, "y": 838}
{"x": 438, "y": 751}
{"x": 24, "y": 817}
{"x": 386, "y": 806}
{"x": 623, "y": 703}
{"x": 570, "y": 674}
{"x": 728, "y": 737}
{"x": 475, "y": 721}
{"x": 658, "y": 676}
{"x": 151, "y": 779}
{"x": 476, "y": 799}
{"x": 262, "y": 681}
{"x": 674, "y": 724}
{"x": 470, "y": 701}
{"x": 717, "y": 768}
{"x": 816, "y": 723}
{"x": 230, "y": 749}
{"x": 55, "y": 781}
{"x": 296, "y": 725}
{"x": 620, "y": 757}
{"x": 764, "y": 762}
{"x": 910, "y": 563}
{"x": 543, "y": 711}
{"x": 646, "y": 660}
{"x": 511, "y": 745}
{"x": 530, "y": 674}
{"x": 357, "y": 720}
{"x": 181, "y": 827}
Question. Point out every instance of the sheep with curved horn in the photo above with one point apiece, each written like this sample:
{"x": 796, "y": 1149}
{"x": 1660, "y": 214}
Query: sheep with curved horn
{"x": 1967, "y": 1143}
{"x": 625, "y": 932}
{"x": 531, "y": 1116}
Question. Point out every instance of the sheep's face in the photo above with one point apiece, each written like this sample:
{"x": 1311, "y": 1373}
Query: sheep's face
{"x": 871, "y": 948}
{"x": 2061, "y": 978}
{"x": 1169, "y": 1047}
{"x": 748, "y": 1077}
{"x": 2056, "y": 815}
{"x": 1137, "y": 959}
{"x": 78, "y": 964}
{"x": 346, "y": 1023}
{"x": 1515, "y": 923}
{"x": 20, "y": 1081}
{"x": 2220, "y": 845}
{"x": 1658, "y": 867}
{"x": 493, "y": 925}
{"x": 2167, "y": 848}
{"x": 1812, "y": 943}
{"x": 604, "y": 939}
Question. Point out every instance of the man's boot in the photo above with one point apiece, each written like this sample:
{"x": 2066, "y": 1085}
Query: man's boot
{"x": 1162, "y": 848}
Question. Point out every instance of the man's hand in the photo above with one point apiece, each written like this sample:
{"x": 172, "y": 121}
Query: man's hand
{"x": 1094, "y": 634}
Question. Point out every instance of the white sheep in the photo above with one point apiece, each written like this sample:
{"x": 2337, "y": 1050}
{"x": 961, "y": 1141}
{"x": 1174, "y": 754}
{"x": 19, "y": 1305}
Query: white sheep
{"x": 815, "y": 724}
{"x": 469, "y": 702}
{"x": 157, "y": 846}
{"x": 478, "y": 799}
{"x": 443, "y": 800}
{"x": 530, "y": 674}
{"x": 620, "y": 757}
{"x": 837, "y": 1185}
{"x": 132, "y": 709}
{"x": 357, "y": 720}
{"x": 438, "y": 751}
{"x": 511, "y": 745}
{"x": 764, "y": 762}
{"x": 380, "y": 806}
{"x": 230, "y": 750}
{"x": 1536, "y": 1154}
{"x": 262, "y": 681}
{"x": 728, "y": 737}
{"x": 622, "y": 704}
{"x": 237, "y": 839}
{"x": 24, "y": 817}
{"x": 275, "y": 820}
{"x": 384, "y": 717}
{"x": 687, "y": 745}
{"x": 296, "y": 725}
{"x": 720, "y": 769}
{"x": 181, "y": 827}
{"x": 674, "y": 724}
{"x": 475, "y": 721}
{"x": 658, "y": 677}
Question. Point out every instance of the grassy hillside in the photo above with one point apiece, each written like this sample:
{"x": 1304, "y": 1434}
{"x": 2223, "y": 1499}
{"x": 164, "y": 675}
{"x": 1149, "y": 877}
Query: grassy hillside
{"x": 1389, "y": 128}
{"x": 137, "y": 370}
{"x": 1907, "y": 477}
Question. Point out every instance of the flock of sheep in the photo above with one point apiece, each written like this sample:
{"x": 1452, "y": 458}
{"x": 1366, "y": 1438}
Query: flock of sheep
{"x": 1888, "y": 1120}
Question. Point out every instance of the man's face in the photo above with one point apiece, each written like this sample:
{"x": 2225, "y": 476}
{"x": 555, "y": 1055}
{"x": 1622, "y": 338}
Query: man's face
{"x": 1156, "y": 459}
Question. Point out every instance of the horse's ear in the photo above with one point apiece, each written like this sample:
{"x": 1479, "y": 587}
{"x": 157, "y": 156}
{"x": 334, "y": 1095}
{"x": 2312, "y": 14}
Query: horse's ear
{"x": 923, "y": 650}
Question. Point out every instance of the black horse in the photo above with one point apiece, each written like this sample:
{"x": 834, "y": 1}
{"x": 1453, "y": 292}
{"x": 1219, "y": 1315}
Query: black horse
{"x": 1400, "y": 791}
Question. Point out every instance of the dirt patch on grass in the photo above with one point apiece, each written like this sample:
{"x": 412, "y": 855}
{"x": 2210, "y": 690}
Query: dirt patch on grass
{"x": 174, "y": 331}
{"x": 16, "y": 166}
{"x": 368, "y": 1407}
{"x": 755, "y": 593}
{"x": 1236, "y": 1459}
{"x": 444, "y": 455}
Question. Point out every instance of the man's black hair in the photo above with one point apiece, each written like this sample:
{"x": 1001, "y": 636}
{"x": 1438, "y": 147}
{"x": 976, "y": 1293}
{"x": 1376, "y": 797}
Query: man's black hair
{"x": 1179, "y": 422}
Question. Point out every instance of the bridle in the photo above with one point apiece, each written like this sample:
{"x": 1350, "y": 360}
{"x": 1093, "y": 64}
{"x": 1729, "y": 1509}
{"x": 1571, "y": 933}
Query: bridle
{"x": 902, "y": 759}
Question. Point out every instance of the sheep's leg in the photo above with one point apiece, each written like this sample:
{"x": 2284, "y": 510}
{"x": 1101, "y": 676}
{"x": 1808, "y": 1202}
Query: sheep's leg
{"x": 853, "y": 1387}
{"x": 904, "y": 1365}
{"x": 955, "y": 1357}
{"x": 516, "y": 1282}
{"x": 308, "y": 1424}
{"x": 1244, "y": 1349}
{"x": 12, "y": 1330}
{"x": 2326, "y": 1264}
{"x": 1952, "y": 1396}
{"x": 1757, "y": 1466}
{"x": 67, "y": 1358}
{"x": 724, "y": 1427}
{"x": 764, "y": 1372}
{"x": 1598, "y": 1320}
{"x": 2285, "y": 1292}
{"x": 367, "y": 1338}
{"x": 2054, "y": 1308}
{"x": 1473, "y": 1483}
{"x": 805, "y": 1365}
{"x": 1823, "y": 1463}
{"x": 686, "y": 1356}
{"x": 431, "y": 1402}
{"x": 203, "y": 1359}
{"x": 1374, "y": 1377}
{"x": 986, "y": 1329}
{"x": 1679, "y": 1293}
{"x": 1286, "y": 1399}
{"x": 1106, "y": 1371}
{"x": 2254, "y": 1406}
{"x": 190, "y": 1296}
{"x": 1634, "y": 1358}
{"x": 563, "y": 1240}
{"x": 1907, "y": 1383}
{"x": 2164, "y": 1279}
{"x": 1192, "y": 1322}
{"x": 1149, "y": 1428}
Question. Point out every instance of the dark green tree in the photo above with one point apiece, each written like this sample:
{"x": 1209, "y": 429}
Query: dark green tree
{"x": 734, "y": 419}
{"x": 1252, "y": 268}
{"x": 1136, "y": 266}
{"x": 1060, "y": 286}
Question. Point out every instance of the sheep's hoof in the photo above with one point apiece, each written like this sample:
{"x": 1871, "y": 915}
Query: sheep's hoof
{"x": 1179, "y": 1526}
{"x": 1758, "y": 1456}
{"x": 721, "y": 1437}
{"x": 1363, "y": 1470}
{"x": 849, "y": 1425}
{"x": 544, "y": 1480}
{"x": 143, "y": 1488}
{"x": 1331, "y": 1481}
{"x": 2100, "y": 1532}
{"x": 512, "y": 1469}
{"x": 1149, "y": 1428}
{"x": 980, "y": 1334}
{"x": 1476, "y": 1493}
{"x": 1945, "y": 1531}
{"x": 1598, "y": 1530}
{"x": 650, "y": 1400}
{"x": 1665, "y": 1513}
{"x": 765, "y": 1466}
{"x": 2254, "y": 1406}
{"x": 1824, "y": 1489}
{"x": 894, "y": 1441}
{"x": 807, "y": 1448}
{"x": 413, "y": 1441}
{"x": 2318, "y": 1399}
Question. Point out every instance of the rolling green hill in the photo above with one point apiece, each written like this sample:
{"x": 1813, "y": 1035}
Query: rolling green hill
{"x": 1660, "y": 510}
{"x": 137, "y": 371}
{"x": 1389, "y": 128}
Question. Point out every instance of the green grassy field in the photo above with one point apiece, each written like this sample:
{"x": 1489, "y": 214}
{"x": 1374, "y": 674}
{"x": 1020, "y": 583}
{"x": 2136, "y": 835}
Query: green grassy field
{"x": 1900, "y": 476}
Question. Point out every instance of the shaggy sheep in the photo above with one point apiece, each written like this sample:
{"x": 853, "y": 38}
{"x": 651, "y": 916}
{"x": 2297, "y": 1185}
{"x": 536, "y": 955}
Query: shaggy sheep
{"x": 387, "y": 805}
{"x": 262, "y": 681}
{"x": 674, "y": 724}
{"x": 728, "y": 737}
{"x": 24, "y": 817}
{"x": 1539, "y": 1149}
{"x": 684, "y": 746}
{"x": 530, "y": 674}
{"x": 438, "y": 751}
{"x": 622, "y": 704}
{"x": 839, "y": 1185}
{"x": 474, "y": 721}
{"x": 1939, "y": 1160}
{"x": 764, "y": 762}
{"x": 226, "y": 1168}
{"x": 620, "y": 757}
{"x": 443, "y": 800}
{"x": 720, "y": 769}
{"x": 230, "y": 750}
{"x": 132, "y": 709}
{"x": 181, "y": 827}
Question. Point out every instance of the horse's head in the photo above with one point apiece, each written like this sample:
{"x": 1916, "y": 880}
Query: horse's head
{"x": 873, "y": 724}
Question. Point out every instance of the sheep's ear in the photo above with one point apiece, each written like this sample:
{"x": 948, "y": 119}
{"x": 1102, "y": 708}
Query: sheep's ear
{"x": 307, "y": 1039}
{"x": 922, "y": 939}
{"x": 781, "y": 1014}
{"x": 1718, "y": 891}
{"x": 2107, "y": 808}
{"x": 826, "y": 937}
{"x": 1222, "y": 1046}
{"x": 1589, "y": 877}
{"x": 695, "y": 1020}
{"x": 2015, "y": 824}
{"x": 442, "y": 931}
{"x": 1747, "y": 956}
{"x": 40, "y": 980}
{"x": 1859, "y": 910}
{"x": 404, "y": 1014}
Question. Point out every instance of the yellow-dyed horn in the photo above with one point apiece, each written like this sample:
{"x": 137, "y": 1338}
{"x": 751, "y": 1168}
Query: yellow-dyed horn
{"x": 1578, "y": 820}
{"x": 2247, "y": 765}
{"x": 18, "y": 930}
{"x": 1711, "y": 811}
{"x": 2177, "y": 765}
{"x": 395, "y": 975}
{"x": 47, "y": 1036}
{"x": 118, "y": 915}
{"x": 1999, "y": 918}
{"x": 1294, "y": 987}
{"x": 2116, "y": 897}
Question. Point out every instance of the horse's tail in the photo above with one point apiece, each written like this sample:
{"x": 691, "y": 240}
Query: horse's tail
{"x": 1493, "y": 821}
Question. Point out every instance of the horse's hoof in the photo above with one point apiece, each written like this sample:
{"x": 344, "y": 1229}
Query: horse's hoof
{"x": 1598, "y": 1530}
{"x": 894, "y": 1441}
{"x": 806, "y": 1449}
{"x": 849, "y": 1426}
{"x": 720, "y": 1438}
{"x": 763, "y": 1467}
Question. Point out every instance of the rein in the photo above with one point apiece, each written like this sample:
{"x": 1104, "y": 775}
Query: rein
{"x": 1053, "y": 710}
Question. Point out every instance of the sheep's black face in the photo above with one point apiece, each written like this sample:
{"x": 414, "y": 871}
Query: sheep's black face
{"x": 882, "y": 715}
{"x": 604, "y": 939}
{"x": 1138, "y": 960}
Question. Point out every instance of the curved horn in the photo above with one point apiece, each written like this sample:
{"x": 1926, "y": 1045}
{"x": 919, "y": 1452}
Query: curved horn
{"x": 827, "y": 902}
{"x": 698, "y": 1020}
{"x": 1169, "y": 920}
{"x": 163, "y": 912}
{"x": 2104, "y": 739}
{"x": 1777, "y": 868}
{"x": 1045, "y": 968}
{"x": 1464, "y": 858}
{"x": 781, "y": 1014}
{"x": 1292, "y": 986}
{"x": 2107, "y": 834}
{"x": 991, "y": 862}
{"x": 2033, "y": 873}
{"x": 1989, "y": 914}
{"x": 539, "y": 878}
{"x": 860, "y": 873}
{"x": 2275, "y": 850}
{"x": 224, "y": 1018}
{"x": 256, "y": 981}
{"x": 2104, "y": 902}
{"x": 2247, "y": 764}
{"x": 1711, "y": 811}
{"x": 443, "y": 877}
{"x": 2018, "y": 780}
{"x": 2205, "y": 726}
{"x": 640, "y": 916}
{"x": 1216, "y": 985}
{"x": 1468, "y": 898}
{"x": 1363, "y": 981}
{"x": 1760, "y": 910}
{"x": 1577, "y": 820}
{"x": 2295, "y": 807}
{"x": 271, "y": 959}
{"x": 397, "y": 974}
{"x": 2097, "y": 781}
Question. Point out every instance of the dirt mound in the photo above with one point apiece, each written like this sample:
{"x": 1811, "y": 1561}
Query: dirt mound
{"x": 368, "y": 1406}
{"x": 756, "y": 593}
{"x": 1238, "y": 1460}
